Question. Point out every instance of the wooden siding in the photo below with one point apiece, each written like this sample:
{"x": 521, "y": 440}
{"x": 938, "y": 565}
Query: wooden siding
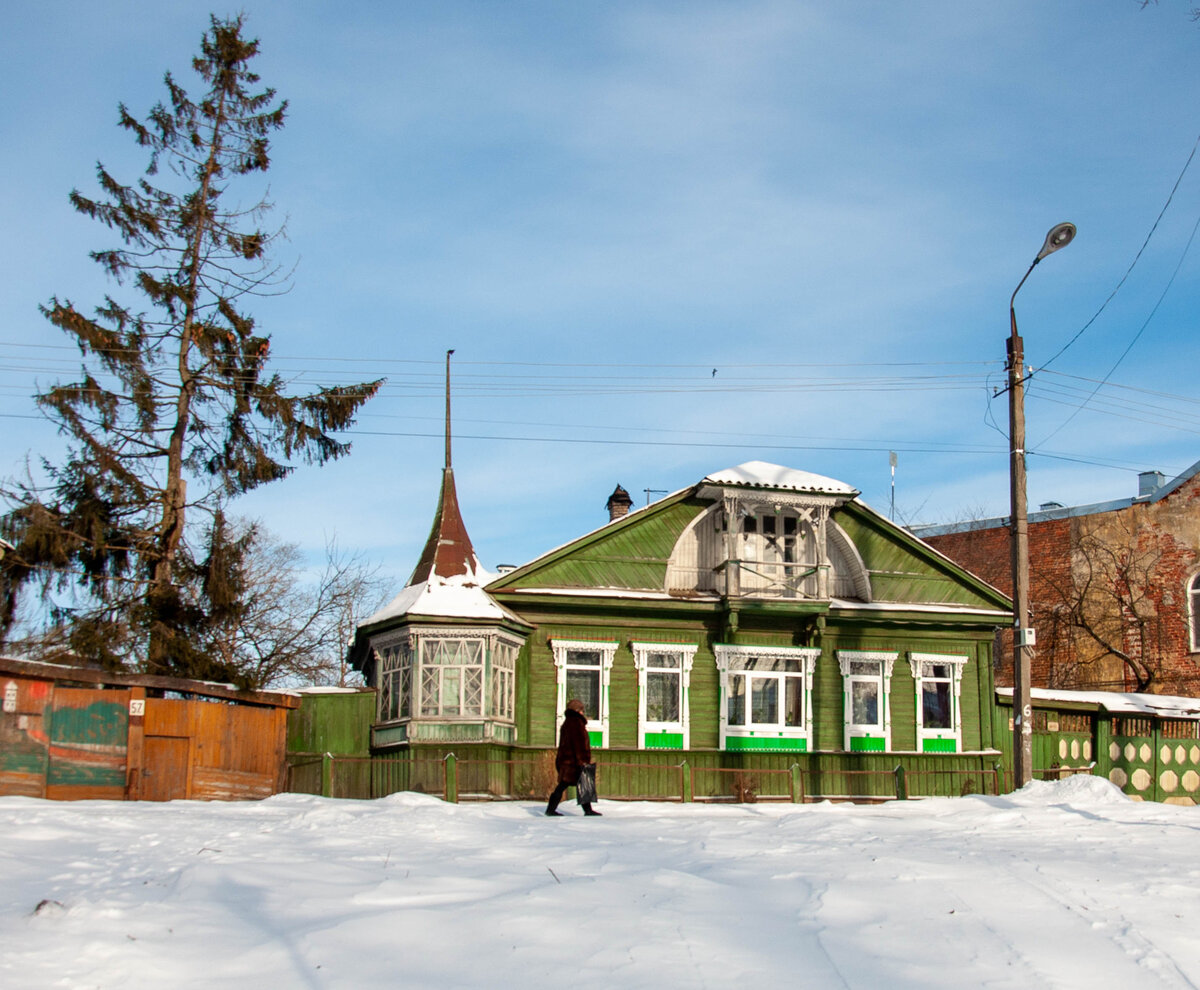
{"x": 538, "y": 675}
{"x": 234, "y": 752}
{"x": 631, "y": 556}
{"x": 85, "y": 739}
{"x": 332, "y": 723}
{"x": 902, "y": 570}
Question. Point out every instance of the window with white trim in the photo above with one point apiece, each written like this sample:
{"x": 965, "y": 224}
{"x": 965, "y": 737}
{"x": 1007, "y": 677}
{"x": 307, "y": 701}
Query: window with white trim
{"x": 394, "y": 678}
{"x": 778, "y": 555}
{"x": 766, "y": 697}
{"x": 1193, "y": 599}
{"x": 451, "y": 676}
{"x": 584, "y": 668}
{"x": 938, "y": 680}
{"x": 664, "y": 672}
{"x": 502, "y": 700}
{"x": 867, "y": 719}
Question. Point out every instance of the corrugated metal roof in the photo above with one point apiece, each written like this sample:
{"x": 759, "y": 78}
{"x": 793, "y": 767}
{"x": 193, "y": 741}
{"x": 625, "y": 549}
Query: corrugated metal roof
{"x": 760, "y": 474}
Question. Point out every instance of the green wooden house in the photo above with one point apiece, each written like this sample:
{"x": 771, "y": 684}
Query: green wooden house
{"x": 761, "y": 621}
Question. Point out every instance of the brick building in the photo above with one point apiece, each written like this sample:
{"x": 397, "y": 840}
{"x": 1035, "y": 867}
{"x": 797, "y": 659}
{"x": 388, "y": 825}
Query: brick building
{"x": 1114, "y": 587}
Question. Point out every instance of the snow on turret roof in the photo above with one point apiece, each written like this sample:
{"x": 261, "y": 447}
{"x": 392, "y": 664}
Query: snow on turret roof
{"x": 760, "y": 474}
{"x": 460, "y": 596}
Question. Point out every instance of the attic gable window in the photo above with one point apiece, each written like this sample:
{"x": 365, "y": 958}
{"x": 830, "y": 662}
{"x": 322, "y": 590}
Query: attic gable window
{"x": 777, "y": 553}
{"x": 767, "y": 544}
{"x": 584, "y": 668}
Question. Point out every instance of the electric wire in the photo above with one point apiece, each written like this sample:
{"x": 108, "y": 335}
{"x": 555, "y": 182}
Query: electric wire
{"x": 1137, "y": 257}
{"x": 1137, "y": 336}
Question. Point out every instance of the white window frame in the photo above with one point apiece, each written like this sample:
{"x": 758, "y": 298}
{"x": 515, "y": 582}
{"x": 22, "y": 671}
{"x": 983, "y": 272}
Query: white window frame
{"x": 766, "y": 570}
{"x": 607, "y": 649}
{"x": 731, "y": 663}
{"x": 395, "y": 657}
{"x": 642, "y": 654}
{"x": 955, "y": 662}
{"x": 881, "y": 729}
{"x": 466, "y": 673}
{"x": 502, "y": 679}
{"x": 1193, "y": 612}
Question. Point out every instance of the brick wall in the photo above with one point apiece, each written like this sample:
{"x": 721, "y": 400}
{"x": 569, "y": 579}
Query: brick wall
{"x": 1153, "y": 549}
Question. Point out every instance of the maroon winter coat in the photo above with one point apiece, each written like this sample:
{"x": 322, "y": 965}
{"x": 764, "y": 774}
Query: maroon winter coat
{"x": 574, "y": 747}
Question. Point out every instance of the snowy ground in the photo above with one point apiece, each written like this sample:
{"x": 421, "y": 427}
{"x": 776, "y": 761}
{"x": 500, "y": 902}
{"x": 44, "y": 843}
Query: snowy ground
{"x": 1062, "y": 885}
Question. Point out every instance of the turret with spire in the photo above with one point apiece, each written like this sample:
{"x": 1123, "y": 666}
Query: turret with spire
{"x": 448, "y": 551}
{"x": 447, "y": 585}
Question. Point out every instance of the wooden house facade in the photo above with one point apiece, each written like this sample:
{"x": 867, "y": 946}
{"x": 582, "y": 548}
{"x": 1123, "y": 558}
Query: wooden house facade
{"x": 762, "y": 618}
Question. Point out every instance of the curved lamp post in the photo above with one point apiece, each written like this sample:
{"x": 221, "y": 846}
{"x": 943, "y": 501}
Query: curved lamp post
{"x": 1024, "y": 637}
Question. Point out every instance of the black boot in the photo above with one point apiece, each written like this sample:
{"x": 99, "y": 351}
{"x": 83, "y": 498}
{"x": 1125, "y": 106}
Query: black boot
{"x": 589, "y": 810}
{"x": 552, "y": 806}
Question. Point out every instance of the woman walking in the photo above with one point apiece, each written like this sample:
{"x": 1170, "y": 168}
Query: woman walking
{"x": 574, "y": 750}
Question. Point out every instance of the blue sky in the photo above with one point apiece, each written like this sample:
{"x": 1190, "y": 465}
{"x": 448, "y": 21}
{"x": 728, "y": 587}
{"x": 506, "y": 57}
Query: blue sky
{"x": 597, "y": 205}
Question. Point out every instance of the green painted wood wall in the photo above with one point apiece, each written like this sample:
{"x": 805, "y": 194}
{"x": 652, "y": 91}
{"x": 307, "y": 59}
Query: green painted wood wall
{"x": 538, "y": 675}
{"x": 337, "y": 723}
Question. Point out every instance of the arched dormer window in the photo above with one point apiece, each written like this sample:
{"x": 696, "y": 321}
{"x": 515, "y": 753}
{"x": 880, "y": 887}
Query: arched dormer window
{"x": 767, "y": 547}
{"x": 777, "y": 553}
{"x": 1193, "y": 598}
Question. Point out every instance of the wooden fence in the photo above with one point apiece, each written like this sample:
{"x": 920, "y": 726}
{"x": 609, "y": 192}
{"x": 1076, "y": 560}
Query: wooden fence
{"x": 69, "y": 733}
{"x": 533, "y": 778}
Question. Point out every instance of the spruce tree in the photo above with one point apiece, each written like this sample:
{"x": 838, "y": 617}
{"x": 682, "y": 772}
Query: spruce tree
{"x": 175, "y": 412}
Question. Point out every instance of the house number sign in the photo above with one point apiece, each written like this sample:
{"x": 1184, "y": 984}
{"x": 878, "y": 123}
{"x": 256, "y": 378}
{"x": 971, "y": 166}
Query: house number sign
{"x": 10, "y": 696}
{"x": 137, "y": 707}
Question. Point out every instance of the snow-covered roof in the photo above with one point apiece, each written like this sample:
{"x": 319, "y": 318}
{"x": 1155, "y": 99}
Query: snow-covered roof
{"x": 760, "y": 474}
{"x": 957, "y": 609}
{"x": 1167, "y": 705}
{"x": 460, "y": 596}
{"x": 327, "y": 689}
{"x": 610, "y": 593}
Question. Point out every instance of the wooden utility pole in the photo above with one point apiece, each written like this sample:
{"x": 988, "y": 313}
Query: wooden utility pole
{"x": 1023, "y": 634}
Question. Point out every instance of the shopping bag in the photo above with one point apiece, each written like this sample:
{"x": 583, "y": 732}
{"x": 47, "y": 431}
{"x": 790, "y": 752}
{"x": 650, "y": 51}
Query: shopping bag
{"x": 585, "y": 786}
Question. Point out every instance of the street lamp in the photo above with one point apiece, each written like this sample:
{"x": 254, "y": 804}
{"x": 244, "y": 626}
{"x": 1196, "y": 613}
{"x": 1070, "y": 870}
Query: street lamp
{"x": 1024, "y": 637}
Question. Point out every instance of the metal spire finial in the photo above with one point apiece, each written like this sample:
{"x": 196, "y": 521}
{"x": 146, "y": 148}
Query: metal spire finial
{"x": 448, "y": 353}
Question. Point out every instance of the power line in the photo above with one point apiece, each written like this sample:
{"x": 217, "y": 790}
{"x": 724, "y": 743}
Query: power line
{"x": 1137, "y": 257}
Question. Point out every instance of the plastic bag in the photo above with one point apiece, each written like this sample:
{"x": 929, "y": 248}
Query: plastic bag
{"x": 585, "y": 787}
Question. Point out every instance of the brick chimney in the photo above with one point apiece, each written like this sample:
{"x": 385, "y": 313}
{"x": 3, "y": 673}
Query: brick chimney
{"x": 618, "y": 504}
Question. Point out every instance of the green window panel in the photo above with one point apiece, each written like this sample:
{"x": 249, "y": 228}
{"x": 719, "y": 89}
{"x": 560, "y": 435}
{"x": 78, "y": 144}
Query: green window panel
{"x": 595, "y": 739}
{"x": 663, "y": 740}
{"x": 938, "y": 746}
{"x": 865, "y": 744}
